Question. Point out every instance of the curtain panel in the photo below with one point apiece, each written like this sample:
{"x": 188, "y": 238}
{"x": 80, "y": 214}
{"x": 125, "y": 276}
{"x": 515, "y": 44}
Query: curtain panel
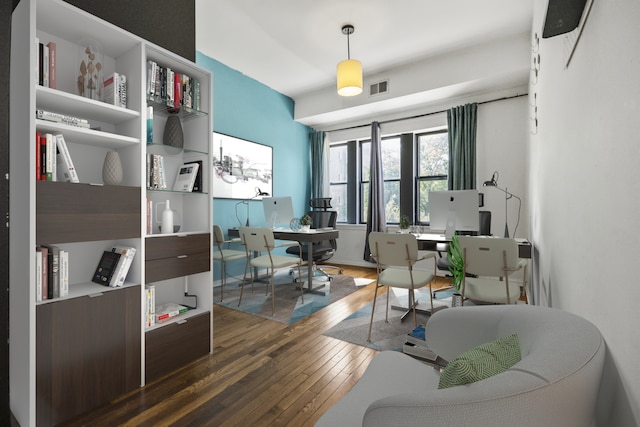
{"x": 319, "y": 164}
{"x": 462, "y": 123}
{"x": 376, "y": 217}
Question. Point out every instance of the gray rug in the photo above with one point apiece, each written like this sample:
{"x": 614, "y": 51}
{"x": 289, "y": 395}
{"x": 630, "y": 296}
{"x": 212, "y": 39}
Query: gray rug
{"x": 288, "y": 303}
{"x": 391, "y": 335}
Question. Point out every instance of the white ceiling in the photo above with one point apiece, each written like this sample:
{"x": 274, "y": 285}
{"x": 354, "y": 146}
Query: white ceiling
{"x": 293, "y": 46}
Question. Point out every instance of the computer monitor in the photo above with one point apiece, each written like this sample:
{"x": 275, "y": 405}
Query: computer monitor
{"x": 278, "y": 211}
{"x": 455, "y": 210}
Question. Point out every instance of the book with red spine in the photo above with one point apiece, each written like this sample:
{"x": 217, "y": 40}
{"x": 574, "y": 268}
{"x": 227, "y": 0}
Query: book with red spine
{"x": 177, "y": 90}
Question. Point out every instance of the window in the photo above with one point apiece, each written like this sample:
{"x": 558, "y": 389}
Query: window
{"x": 433, "y": 167}
{"x": 426, "y": 153}
{"x": 390, "y": 150}
{"x": 338, "y": 159}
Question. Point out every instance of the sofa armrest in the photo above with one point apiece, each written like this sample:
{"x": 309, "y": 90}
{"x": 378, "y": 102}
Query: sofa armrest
{"x": 455, "y": 330}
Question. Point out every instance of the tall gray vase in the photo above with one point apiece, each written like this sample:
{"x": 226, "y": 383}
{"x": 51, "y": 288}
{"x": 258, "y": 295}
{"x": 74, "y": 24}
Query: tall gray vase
{"x": 173, "y": 132}
{"x": 112, "y": 169}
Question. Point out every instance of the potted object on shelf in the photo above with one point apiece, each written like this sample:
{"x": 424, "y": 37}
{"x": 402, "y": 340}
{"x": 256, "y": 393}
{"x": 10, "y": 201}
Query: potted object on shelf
{"x": 457, "y": 270}
{"x": 305, "y": 223}
{"x": 404, "y": 224}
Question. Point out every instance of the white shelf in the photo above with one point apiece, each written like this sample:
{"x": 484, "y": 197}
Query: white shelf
{"x": 85, "y": 136}
{"x": 58, "y": 101}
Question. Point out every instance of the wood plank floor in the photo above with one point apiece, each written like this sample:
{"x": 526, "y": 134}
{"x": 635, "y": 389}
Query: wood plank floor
{"x": 261, "y": 373}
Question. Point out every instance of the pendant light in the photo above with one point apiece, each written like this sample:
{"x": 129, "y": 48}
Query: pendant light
{"x": 349, "y": 71}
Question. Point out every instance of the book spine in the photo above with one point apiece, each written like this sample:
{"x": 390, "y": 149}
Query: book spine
{"x": 37, "y": 61}
{"x": 43, "y": 157}
{"x": 177, "y": 90}
{"x": 45, "y": 66}
{"x": 38, "y": 156}
{"x": 49, "y": 275}
{"x": 40, "y": 63}
{"x": 66, "y": 170}
{"x": 38, "y": 274}
{"x": 45, "y": 273}
{"x": 52, "y": 64}
{"x": 50, "y": 157}
{"x": 110, "y": 91}
{"x": 122, "y": 91}
{"x": 64, "y": 273}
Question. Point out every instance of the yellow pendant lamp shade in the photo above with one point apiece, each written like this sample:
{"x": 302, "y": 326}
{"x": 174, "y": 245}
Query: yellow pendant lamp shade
{"x": 349, "y": 71}
{"x": 349, "y": 76}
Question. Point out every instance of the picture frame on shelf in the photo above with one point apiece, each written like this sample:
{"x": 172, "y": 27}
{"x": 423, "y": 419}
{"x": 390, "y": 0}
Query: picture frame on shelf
{"x": 241, "y": 166}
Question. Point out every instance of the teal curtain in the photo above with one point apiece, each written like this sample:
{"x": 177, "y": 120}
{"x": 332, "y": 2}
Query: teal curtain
{"x": 462, "y": 122}
{"x": 318, "y": 162}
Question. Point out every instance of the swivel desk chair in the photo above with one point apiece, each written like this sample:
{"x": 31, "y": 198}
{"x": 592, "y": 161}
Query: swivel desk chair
{"x": 321, "y": 217}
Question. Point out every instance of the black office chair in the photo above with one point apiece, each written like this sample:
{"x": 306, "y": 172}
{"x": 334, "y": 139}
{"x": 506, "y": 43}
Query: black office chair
{"x": 483, "y": 230}
{"x": 321, "y": 217}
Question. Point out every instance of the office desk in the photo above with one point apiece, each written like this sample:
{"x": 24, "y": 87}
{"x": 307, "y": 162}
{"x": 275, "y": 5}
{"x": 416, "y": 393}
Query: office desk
{"x": 309, "y": 239}
{"x": 438, "y": 242}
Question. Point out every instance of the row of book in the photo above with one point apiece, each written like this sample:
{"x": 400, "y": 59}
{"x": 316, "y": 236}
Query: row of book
{"x": 172, "y": 88}
{"x": 46, "y": 64}
{"x": 188, "y": 179}
{"x": 53, "y": 159}
{"x": 52, "y": 272}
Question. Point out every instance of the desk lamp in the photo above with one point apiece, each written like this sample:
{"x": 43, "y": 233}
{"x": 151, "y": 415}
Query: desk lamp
{"x": 493, "y": 182}
{"x": 259, "y": 193}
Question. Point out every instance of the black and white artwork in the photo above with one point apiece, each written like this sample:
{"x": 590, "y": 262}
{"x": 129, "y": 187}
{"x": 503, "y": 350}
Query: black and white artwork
{"x": 241, "y": 169}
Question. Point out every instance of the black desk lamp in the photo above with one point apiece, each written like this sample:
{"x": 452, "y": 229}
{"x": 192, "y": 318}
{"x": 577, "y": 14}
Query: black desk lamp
{"x": 259, "y": 193}
{"x": 493, "y": 182}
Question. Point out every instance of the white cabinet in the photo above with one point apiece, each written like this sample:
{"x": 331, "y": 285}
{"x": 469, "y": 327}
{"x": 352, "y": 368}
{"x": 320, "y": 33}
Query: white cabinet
{"x": 88, "y": 217}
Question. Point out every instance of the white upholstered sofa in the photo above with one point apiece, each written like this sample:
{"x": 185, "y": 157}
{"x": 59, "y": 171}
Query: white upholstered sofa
{"x": 554, "y": 385}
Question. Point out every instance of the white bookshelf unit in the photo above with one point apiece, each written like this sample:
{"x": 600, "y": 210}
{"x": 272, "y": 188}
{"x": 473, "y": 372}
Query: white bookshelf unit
{"x": 71, "y": 354}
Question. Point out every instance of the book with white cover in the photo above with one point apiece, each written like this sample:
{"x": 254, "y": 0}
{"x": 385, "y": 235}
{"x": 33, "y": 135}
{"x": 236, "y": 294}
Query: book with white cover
{"x": 38, "y": 274}
{"x": 186, "y": 177}
{"x": 64, "y": 273}
{"x": 65, "y": 170}
{"x": 124, "y": 263}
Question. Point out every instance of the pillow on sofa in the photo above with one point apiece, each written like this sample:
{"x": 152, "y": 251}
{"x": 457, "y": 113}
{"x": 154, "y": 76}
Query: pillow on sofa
{"x": 481, "y": 362}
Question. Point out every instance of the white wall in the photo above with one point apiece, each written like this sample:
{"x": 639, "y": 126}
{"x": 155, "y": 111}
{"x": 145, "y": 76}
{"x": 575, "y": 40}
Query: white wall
{"x": 584, "y": 190}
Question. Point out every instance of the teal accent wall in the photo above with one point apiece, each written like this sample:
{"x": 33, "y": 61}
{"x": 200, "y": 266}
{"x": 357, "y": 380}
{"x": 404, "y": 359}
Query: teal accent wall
{"x": 247, "y": 109}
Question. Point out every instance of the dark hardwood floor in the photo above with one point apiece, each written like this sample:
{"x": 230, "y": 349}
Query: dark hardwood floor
{"x": 261, "y": 373}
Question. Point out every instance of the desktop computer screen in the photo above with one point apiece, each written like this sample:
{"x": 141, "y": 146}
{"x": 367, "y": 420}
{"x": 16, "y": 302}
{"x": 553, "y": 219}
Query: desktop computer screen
{"x": 278, "y": 211}
{"x": 455, "y": 210}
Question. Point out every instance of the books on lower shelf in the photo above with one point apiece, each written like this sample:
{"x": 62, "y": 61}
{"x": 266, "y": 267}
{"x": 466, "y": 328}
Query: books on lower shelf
{"x": 53, "y": 159}
{"x": 168, "y": 311}
{"x": 150, "y": 306}
{"x": 52, "y": 272}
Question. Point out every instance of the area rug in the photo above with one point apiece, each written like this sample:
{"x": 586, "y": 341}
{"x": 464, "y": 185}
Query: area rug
{"x": 289, "y": 307}
{"x": 391, "y": 335}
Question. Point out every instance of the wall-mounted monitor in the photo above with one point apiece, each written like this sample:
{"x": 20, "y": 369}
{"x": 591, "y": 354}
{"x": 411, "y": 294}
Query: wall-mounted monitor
{"x": 278, "y": 211}
{"x": 455, "y": 210}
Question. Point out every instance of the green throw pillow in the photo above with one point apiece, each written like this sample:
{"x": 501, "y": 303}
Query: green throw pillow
{"x": 481, "y": 362}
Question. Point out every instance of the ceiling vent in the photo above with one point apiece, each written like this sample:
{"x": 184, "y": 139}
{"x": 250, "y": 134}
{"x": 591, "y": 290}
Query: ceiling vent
{"x": 379, "y": 88}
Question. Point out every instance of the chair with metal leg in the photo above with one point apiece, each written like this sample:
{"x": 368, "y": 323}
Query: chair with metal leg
{"x": 260, "y": 241}
{"x": 224, "y": 255}
{"x": 395, "y": 256}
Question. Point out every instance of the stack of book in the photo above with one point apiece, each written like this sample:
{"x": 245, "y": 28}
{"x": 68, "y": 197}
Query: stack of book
{"x": 168, "y": 311}
{"x": 124, "y": 264}
{"x": 62, "y": 118}
{"x": 416, "y": 345}
{"x": 115, "y": 90}
{"x": 156, "y": 176}
{"x": 46, "y": 64}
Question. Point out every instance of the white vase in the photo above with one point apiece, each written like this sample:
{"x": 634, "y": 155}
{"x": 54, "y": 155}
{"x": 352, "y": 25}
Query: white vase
{"x": 305, "y": 228}
{"x": 112, "y": 169}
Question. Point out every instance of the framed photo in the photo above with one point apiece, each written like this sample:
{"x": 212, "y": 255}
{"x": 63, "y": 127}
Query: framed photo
{"x": 241, "y": 168}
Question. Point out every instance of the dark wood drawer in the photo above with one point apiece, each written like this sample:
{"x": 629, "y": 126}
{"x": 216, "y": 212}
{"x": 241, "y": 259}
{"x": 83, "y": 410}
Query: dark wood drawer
{"x": 174, "y": 345}
{"x": 183, "y": 265}
{"x": 67, "y": 212}
{"x": 173, "y": 246}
